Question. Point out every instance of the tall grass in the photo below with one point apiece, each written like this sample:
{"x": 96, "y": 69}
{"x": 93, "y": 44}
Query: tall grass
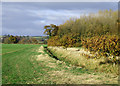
{"x": 75, "y": 58}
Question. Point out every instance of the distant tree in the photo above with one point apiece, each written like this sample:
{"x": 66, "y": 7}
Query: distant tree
{"x": 22, "y": 41}
{"x": 18, "y": 39}
{"x": 51, "y": 30}
{"x": 13, "y": 39}
{"x": 7, "y": 41}
{"x": 28, "y": 36}
{"x": 34, "y": 41}
{"x": 8, "y": 35}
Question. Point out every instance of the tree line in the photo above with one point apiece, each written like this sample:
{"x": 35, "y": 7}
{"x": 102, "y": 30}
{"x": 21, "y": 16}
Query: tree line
{"x": 10, "y": 39}
{"x": 96, "y": 32}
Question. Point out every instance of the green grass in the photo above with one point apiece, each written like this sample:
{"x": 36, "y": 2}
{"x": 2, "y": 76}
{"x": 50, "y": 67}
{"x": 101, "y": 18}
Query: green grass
{"x": 17, "y": 66}
{"x": 6, "y": 48}
{"x": 20, "y": 66}
{"x": 37, "y": 37}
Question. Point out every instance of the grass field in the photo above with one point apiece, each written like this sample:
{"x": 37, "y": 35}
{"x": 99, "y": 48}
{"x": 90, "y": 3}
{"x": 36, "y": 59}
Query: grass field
{"x": 17, "y": 67}
{"x": 30, "y": 64}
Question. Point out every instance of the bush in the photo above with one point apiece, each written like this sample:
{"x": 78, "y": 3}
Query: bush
{"x": 70, "y": 40}
{"x": 25, "y": 41}
{"x": 106, "y": 45}
{"x": 7, "y": 41}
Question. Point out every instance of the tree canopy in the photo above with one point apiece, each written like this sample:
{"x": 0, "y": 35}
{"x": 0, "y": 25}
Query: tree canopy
{"x": 51, "y": 30}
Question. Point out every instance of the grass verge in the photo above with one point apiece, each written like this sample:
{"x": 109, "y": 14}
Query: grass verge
{"x": 75, "y": 58}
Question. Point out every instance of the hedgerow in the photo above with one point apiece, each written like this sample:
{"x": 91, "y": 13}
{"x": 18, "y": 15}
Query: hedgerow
{"x": 106, "y": 45}
{"x": 95, "y": 32}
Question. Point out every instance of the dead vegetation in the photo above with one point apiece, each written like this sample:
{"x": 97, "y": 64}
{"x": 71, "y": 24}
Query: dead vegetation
{"x": 60, "y": 73}
{"x": 79, "y": 57}
{"x": 65, "y": 77}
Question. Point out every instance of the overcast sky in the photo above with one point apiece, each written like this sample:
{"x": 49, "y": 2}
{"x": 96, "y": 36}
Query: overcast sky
{"x": 29, "y": 18}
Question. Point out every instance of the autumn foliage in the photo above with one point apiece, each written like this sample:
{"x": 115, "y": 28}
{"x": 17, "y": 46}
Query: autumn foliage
{"x": 69, "y": 40}
{"x": 108, "y": 45}
{"x": 95, "y": 32}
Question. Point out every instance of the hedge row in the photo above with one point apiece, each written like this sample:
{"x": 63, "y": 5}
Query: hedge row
{"x": 107, "y": 45}
{"x": 70, "y": 40}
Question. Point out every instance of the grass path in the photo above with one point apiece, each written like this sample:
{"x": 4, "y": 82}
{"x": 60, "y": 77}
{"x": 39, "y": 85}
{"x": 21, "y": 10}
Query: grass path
{"x": 35, "y": 66}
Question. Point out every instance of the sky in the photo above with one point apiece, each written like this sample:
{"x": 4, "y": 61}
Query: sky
{"x": 29, "y": 18}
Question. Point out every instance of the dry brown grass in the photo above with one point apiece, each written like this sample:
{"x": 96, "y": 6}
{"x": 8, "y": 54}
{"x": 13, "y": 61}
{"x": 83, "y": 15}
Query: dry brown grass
{"x": 63, "y": 75}
{"x": 77, "y": 58}
{"x": 45, "y": 58}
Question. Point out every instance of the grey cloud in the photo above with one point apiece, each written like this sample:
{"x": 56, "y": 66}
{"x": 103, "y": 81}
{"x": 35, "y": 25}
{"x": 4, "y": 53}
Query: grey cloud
{"x": 29, "y": 18}
{"x": 62, "y": 5}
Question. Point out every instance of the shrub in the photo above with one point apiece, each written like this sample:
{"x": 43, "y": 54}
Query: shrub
{"x": 106, "y": 45}
{"x": 7, "y": 41}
